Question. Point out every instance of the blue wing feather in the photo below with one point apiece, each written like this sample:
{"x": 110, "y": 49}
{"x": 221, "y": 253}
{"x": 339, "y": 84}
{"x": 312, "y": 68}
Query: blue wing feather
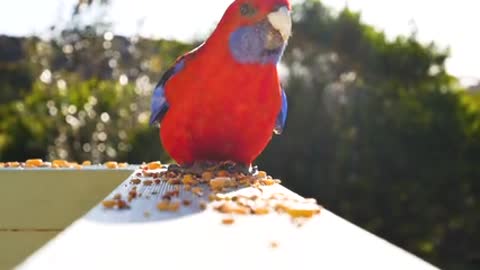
{"x": 159, "y": 104}
{"x": 282, "y": 115}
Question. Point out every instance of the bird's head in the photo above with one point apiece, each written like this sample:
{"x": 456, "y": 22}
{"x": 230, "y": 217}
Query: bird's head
{"x": 257, "y": 30}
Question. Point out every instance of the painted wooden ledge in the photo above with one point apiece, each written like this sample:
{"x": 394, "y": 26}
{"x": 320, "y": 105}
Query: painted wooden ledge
{"x": 37, "y": 204}
{"x": 145, "y": 238}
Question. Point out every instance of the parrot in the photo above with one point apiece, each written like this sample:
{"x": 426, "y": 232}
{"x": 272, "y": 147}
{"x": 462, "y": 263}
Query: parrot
{"x": 223, "y": 101}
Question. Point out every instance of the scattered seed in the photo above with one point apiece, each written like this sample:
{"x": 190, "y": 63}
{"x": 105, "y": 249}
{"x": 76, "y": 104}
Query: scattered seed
{"x": 220, "y": 182}
{"x": 228, "y": 221}
{"x": 154, "y": 165}
{"x": 135, "y": 181}
{"x": 87, "y": 163}
{"x": 261, "y": 175}
{"x": 109, "y": 203}
{"x": 163, "y": 205}
{"x": 174, "y": 181}
{"x": 261, "y": 210}
{"x": 34, "y": 163}
{"x": 60, "y": 163}
{"x": 274, "y": 244}
{"x": 174, "y": 206}
{"x": 111, "y": 164}
{"x": 223, "y": 173}
{"x": 121, "y": 204}
{"x": 147, "y": 182}
{"x": 203, "y": 205}
{"x": 13, "y": 164}
{"x": 207, "y": 175}
{"x": 189, "y": 180}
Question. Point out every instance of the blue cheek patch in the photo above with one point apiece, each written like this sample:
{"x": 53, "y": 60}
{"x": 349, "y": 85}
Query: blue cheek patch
{"x": 247, "y": 45}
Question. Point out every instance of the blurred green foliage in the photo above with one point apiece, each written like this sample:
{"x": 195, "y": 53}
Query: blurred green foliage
{"x": 378, "y": 131}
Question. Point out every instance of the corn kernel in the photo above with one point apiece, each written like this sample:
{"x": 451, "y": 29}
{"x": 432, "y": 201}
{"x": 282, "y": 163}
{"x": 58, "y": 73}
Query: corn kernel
{"x": 228, "y": 221}
{"x": 121, "y": 204}
{"x": 60, "y": 163}
{"x": 174, "y": 206}
{"x": 2, "y": 165}
{"x": 207, "y": 175}
{"x": 154, "y": 165}
{"x": 163, "y": 205}
{"x": 173, "y": 181}
{"x": 261, "y": 211}
{"x": 262, "y": 174}
{"x": 230, "y": 208}
{"x": 268, "y": 182}
{"x": 197, "y": 191}
{"x": 13, "y": 164}
{"x": 77, "y": 166}
{"x": 188, "y": 180}
{"x": 87, "y": 163}
{"x": 111, "y": 164}
{"x": 33, "y": 163}
{"x": 220, "y": 182}
{"x": 147, "y": 182}
{"x": 109, "y": 203}
{"x": 305, "y": 211}
{"x": 222, "y": 173}
{"x": 203, "y": 205}
{"x": 273, "y": 244}
{"x": 135, "y": 181}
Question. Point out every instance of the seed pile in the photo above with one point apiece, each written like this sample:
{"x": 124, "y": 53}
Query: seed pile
{"x": 224, "y": 187}
{"x": 58, "y": 163}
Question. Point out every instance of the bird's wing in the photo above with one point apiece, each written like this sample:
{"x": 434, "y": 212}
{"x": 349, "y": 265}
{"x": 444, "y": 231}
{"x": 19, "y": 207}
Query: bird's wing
{"x": 282, "y": 115}
{"x": 159, "y": 106}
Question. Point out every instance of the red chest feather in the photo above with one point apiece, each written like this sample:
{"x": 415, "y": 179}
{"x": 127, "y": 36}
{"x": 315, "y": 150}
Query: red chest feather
{"x": 226, "y": 113}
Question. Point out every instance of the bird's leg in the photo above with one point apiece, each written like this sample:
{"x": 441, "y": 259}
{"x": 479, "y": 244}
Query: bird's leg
{"x": 239, "y": 168}
{"x": 199, "y": 167}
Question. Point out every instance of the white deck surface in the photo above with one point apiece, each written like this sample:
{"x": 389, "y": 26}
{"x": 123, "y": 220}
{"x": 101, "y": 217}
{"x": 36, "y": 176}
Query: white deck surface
{"x": 196, "y": 239}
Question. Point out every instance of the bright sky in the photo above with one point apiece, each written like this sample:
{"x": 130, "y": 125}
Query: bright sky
{"x": 452, "y": 23}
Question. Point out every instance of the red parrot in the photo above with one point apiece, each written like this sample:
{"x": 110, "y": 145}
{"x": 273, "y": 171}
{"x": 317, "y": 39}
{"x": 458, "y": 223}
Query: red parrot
{"x": 223, "y": 100}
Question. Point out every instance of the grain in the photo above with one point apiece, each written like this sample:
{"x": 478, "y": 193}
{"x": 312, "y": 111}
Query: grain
{"x": 32, "y": 163}
{"x": 154, "y": 165}
{"x": 228, "y": 220}
{"x": 111, "y": 164}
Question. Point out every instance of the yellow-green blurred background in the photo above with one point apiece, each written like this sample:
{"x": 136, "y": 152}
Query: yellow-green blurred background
{"x": 378, "y": 129}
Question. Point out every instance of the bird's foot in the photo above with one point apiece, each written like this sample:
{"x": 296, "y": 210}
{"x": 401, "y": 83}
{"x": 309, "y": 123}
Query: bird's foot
{"x": 199, "y": 167}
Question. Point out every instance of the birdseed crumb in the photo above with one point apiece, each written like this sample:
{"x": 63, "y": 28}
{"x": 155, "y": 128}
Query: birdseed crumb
{"x": 228, "y": 220}
{"x": 111, "y": 164}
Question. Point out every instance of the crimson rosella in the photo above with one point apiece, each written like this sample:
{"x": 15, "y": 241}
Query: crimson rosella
{"x": 223, "y": 100}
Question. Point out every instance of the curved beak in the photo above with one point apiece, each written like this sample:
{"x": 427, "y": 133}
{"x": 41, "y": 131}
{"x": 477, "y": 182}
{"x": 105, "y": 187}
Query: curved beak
{"x": 281, "y": 21}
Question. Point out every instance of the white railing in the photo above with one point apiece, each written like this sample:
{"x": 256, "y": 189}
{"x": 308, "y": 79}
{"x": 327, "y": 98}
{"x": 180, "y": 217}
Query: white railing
{"x": 191, "y": 237}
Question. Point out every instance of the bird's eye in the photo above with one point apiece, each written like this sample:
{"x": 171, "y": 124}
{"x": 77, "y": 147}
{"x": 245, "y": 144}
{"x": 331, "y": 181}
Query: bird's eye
{"x": 247, "y": 10}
